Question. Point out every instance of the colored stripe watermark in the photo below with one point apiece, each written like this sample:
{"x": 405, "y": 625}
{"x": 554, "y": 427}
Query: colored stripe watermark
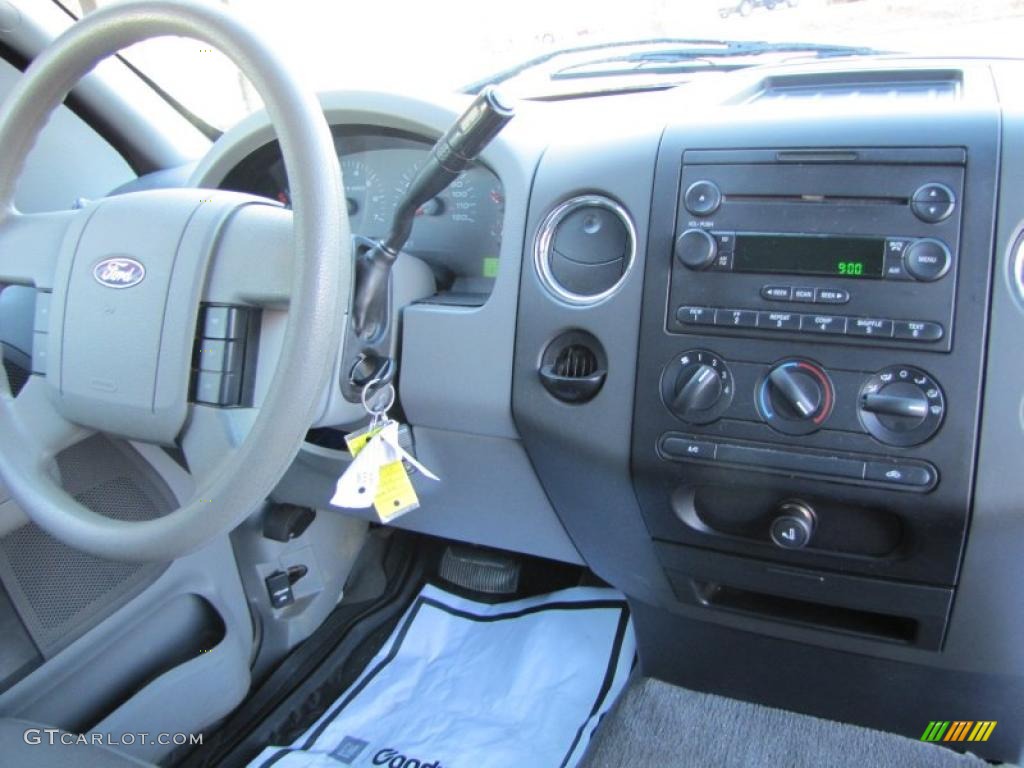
{"x": 958, "y": 730}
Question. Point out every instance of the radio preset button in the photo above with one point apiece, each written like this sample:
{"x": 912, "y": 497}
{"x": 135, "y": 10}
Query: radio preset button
{"x": 835, "y": 324}
{"x": 779, "y": 321}
{"x": 869, "y": 326}
{"x": 804, "y": 295}
{"x": 696, "y": 315}
{"x": 736, "y": 318}
{"x": 777, "y": 292}
{"x": 918, "y": 330}
{"x": 702, "y": 198}
{"x": 831, "y": 296}
{"x": 927, "y": 260}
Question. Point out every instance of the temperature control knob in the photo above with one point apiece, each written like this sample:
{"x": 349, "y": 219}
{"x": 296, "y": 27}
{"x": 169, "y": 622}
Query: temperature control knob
{"x": 795, "y": 397}
{"x": 697, "y": 386}
{"x": 901, "y": 406}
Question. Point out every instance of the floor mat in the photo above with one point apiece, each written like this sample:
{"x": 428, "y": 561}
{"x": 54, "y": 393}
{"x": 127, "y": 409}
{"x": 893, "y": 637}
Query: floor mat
{"x": 655, "y": 723}
{"x": 461, "y": 683}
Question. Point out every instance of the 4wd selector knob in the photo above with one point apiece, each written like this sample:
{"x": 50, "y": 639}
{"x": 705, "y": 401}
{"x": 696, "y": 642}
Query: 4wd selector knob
{"x": 697, "y": 386}
{"x": 696, "y": 249}
{"x": 795, "y": 397}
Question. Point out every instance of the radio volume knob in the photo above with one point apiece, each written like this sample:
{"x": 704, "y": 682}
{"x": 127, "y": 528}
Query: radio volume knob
{"x": 696, "y": 249}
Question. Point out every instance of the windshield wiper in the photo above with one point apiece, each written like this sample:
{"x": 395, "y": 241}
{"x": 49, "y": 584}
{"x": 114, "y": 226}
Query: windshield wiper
{"x": 669, "y": 56}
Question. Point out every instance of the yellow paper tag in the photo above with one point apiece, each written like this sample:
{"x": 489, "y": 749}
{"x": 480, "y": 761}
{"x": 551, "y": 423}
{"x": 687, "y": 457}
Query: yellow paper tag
{"x": 395, "y": 494}
{"x": 356, "y": 441}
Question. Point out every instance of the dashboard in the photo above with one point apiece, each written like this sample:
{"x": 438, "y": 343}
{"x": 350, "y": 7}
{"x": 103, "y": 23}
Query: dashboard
{"x": 458, "y": 233}
{"x": 753, "y": 360}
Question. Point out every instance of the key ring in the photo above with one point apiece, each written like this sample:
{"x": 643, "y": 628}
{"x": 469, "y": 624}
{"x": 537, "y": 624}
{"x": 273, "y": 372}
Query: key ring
{"x": 370, "y": 393}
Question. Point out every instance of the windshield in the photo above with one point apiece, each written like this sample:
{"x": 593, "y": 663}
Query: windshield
{"x": 451, "y": 44}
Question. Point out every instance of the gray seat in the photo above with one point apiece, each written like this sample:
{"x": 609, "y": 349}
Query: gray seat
{"x": 655, "y": 723}
{"x": 19, "y": 748}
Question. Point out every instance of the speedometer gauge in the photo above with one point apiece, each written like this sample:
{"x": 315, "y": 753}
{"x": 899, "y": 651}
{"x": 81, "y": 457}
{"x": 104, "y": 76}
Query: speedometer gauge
{"x": 365, "y": 198}
{"x": 457, "y": 203}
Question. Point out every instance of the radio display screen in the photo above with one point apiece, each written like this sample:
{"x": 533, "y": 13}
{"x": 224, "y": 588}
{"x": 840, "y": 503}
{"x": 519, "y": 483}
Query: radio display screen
{"x": 857, "y": 257}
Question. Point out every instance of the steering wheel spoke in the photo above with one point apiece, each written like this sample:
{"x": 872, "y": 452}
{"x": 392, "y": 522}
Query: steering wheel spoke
{"x": 253, "y": 262}
{"x": 32, "y": 432}
{"x": 210, "y": 434}
{"x": 30, "y": 245}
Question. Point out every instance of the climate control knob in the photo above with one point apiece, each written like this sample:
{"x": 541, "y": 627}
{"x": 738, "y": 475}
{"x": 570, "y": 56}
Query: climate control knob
{"x": 901, "y": 406}
{"x": 697, "y": 386}
{"x": 696, "y": 249}
{"x": 795, "y": 397}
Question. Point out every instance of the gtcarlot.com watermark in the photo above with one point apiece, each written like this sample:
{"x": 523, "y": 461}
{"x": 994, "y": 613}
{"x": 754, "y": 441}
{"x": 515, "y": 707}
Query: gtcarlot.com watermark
{"x": 54, "y": 736}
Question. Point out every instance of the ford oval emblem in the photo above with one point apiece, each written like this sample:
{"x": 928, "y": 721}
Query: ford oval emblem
{"x": 119, "y": 272}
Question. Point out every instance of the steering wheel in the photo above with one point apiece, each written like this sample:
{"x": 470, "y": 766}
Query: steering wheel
{"x": 125, "y": 277}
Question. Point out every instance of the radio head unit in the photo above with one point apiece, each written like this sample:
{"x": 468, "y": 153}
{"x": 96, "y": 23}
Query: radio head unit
{"x": 875, "y": 243}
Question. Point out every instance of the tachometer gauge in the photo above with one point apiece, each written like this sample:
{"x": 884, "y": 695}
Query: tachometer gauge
{"x": 365, "y": 197}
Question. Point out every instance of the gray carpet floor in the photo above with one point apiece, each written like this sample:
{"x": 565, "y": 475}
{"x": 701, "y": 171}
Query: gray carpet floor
{"x": 656, "y": 724}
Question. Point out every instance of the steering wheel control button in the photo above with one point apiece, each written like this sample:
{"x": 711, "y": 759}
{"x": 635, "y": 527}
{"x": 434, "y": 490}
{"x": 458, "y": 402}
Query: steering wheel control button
{"x": 697, "y": 386}
{"x": 702, "y": 198}
{"x": 794, "y": 526}
{"x": 685, "y": 448}
{"x": 933, "y": 203}
{"x": 696, "y": 249}
{"x": 220, "y": 322}
{"x": 795, "y": 397}
{"x": 218, "y": 388}
{"x": 696, "y": 315}
{"x": 901, "y": 406}
{"x": 927, "y": 260}
{"x": 917, "y": 330}
{"x": 869, "y": 326}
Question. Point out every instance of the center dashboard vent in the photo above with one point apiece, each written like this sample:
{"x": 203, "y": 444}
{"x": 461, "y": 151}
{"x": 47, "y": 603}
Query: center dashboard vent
{"x": 899, "y": 85}
{"x": 584, "y": 248}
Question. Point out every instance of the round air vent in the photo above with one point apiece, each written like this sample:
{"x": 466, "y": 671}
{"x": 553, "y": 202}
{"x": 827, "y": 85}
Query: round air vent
{"x": 584, "y": 249}
{"x": 573, "y": 367}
